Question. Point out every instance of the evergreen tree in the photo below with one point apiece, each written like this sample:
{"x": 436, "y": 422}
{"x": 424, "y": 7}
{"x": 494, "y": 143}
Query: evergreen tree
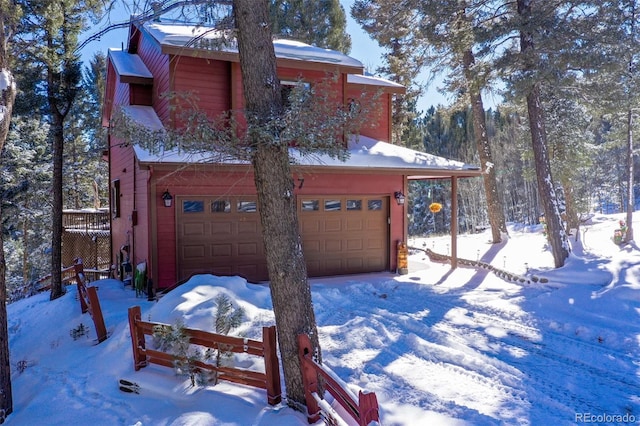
{"x": 617, "y": 89}
{"x": 319, "y": 23}
{"x": 55, "y": 27}
{"x": 26, "y": 184}
{"x": 9, "y": 15}
{"x": 445, "y": 42}
{"x": 405, "y": 56}
{"x": 85, "y": 141}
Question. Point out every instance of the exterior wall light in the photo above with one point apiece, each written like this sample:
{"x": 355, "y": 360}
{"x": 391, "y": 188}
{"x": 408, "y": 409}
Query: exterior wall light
{"x": 167, "y": 198}
{"x": 399, "y": 197}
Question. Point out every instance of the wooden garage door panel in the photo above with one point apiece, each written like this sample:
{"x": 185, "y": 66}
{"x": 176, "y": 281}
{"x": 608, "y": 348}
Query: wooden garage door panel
{"x": 333, "y": 225}
{"x": 194, "y": 251}
{"x": 221, "y": 228}
{"x": 355, "y": 263}
{"x": 222, "y": 250}
{"x": 341, "y": 235}
{"x": 193, "y": 228}
{"x": 354, "y": 224}
{"x": 311, "y": 225}
{"x": 248, "y": 249}
{"x": 354, "y": 244}
{"x": 229, "y": 228}
{"x": 344, "y": 234}
{"x": 374, "y": 244}
{"x": 332, "y": 246}
{"x": 251, "y": 227}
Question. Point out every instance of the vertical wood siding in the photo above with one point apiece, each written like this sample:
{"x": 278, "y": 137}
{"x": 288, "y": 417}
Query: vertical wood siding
{"x": 378, "y": 108}
{"x": 158, "y": 64}
{"x": 207, "y": 81}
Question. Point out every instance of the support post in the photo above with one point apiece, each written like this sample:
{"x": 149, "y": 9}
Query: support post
{"x": 368, "y": 408}
{"x": 96, "y": 313}
{"x": 271, "y": 365}
{"x": 454, "y": 222}
{"x": 137, "y": 338}
{"x": 309, "y": 378}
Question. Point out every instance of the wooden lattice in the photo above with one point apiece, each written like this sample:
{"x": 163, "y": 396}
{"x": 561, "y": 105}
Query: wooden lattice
{"x": 86, "y": 235}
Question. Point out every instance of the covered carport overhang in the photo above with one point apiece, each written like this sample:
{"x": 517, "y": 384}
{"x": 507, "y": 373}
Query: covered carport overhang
{"x": 453, "y": 176}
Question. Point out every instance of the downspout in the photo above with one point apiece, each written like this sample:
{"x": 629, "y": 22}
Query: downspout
{"x": 152, "y": 213}
{"x": 112, "y": 264}
{"x": 133, "y": 219}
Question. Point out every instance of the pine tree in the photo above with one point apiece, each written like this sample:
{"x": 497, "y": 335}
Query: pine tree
{"x": 227, "y": 318}
{"x": 173, "y": 339}
{"x": 319, "y": 23}
{"x": 55, "y": 27}
{"x": 444, "y": 43}
{"x": 9, "y": 15}
{"x": 26, "y": 185}
{"x": 616, "y": 90}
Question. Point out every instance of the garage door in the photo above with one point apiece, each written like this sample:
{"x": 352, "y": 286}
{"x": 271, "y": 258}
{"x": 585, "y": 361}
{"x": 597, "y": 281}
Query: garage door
{"x": 340, "y": 235}
{"x": 344, "y": 235}
{"x": 220, "y": 235}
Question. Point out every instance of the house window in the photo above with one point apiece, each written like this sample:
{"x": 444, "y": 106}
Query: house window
{"x": 332, "y": 205}
{"x": 115, "y": 198}
{"x": 288, "y": 88}
{"x": 220, "y": 206}
{"x": 374, "y": 204}
{"x": 354, "y": 204}
{"x": 193, "y": 206}
{"x": 310, "y": 205}
{"x": 247, "y": 207}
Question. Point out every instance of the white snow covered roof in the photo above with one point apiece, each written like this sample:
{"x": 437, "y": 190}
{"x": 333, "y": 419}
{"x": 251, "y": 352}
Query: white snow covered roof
{"x": 130, "y": 67}
{"x": 182, "y": 36}
{"x": 365, "y": 154}
{"x": 368, "y": 153}
{"x": 369, "y": 80}
{"x": 145, "y": 116}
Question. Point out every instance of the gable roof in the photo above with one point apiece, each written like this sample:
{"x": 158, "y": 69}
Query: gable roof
{"x": 365, "y": 155}
{"x": 191, "y": 40}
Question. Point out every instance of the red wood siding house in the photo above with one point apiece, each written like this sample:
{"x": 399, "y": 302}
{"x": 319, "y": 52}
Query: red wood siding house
{"x": 350, "y": 221}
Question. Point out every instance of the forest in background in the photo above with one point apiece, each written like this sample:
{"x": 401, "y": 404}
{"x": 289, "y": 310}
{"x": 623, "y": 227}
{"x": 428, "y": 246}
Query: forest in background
{"x": 27, "y": 169}
{"x": 560, "y": 145}
{"x": 587, "y": 141}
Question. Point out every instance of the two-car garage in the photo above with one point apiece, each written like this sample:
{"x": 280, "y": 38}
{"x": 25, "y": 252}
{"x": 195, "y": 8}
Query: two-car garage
{"x": 340, "y": 234}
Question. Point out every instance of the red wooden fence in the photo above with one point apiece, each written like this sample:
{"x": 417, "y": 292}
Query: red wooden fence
{"x": 269, "y": 380}
{"x": 89, "y": 301}
{"x": 363, "y": 411}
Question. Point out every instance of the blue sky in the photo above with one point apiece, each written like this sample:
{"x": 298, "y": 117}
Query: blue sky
{"x": 363, "y": 48}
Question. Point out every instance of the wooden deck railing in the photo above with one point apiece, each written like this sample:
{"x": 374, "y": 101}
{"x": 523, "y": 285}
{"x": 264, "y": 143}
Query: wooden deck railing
{"x": 269, "y": 380}
{"x": 363, "y": 411}
{"x": 89, "y": 301}
{"x": 85, "y": 220}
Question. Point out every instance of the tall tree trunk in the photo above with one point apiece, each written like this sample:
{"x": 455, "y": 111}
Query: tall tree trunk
{"x": 630, "y": 196}
{"x": 56, "y": 221}
{"x": 494, "y": 204}
{"x": 557, "y": 236}
{"x": 290, "y": 290}
{"x": 555, "y": 231}
{"x": 7, "y": 97}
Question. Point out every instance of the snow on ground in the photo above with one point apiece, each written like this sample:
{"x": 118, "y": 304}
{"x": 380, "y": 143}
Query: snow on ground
{"x": 437, "y": 346}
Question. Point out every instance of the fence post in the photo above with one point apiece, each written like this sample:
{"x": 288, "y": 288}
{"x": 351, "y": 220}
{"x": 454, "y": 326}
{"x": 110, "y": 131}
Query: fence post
{"x": 368, "y": 408}
{"x": 271, "y": 365}
{"x": 80, "y": 280}
{"x": 96, "y": 314}
{"x": 137, "y": 338}
{"x": 309, "y": 378}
